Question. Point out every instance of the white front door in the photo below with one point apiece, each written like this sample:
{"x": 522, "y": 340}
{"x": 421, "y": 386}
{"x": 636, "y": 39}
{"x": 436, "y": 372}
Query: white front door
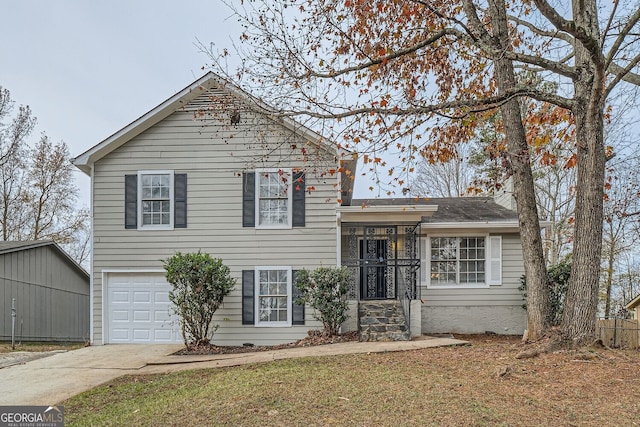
{"x": 139, "y": 311}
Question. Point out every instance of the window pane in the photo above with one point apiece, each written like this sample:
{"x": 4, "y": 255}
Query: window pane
{"x": 155, "y": 199}
{"x": 273, "y": 297}
{"x": 273, "y": 200}
{"x": 457, "y": 260}
{"x": 273, "y": 212}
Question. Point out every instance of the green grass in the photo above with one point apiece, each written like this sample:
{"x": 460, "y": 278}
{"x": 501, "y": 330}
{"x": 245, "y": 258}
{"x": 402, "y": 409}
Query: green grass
{"x": 436, "y": 387}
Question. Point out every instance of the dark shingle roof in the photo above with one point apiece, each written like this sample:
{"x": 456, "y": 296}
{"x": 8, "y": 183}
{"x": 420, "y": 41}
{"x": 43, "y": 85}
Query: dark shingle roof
{"x": 452, "y": 209}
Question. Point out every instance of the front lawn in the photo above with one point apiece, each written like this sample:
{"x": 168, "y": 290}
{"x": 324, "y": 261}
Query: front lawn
{"x": 478, "y": 385}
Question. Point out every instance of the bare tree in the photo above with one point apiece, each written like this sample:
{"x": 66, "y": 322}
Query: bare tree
{"x": 452, "y": 178}
{"x": 38, "y": 195}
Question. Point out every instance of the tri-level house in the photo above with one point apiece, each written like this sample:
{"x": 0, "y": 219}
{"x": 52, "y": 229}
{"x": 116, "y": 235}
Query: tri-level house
{"x": 212, "y": 169}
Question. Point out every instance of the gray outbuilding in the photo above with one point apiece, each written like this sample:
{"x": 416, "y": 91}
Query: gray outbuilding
{"x": 50, "y": 289}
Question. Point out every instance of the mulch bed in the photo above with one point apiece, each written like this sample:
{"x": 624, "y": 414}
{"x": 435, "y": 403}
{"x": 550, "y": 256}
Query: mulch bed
{"x": 314, "y": 338}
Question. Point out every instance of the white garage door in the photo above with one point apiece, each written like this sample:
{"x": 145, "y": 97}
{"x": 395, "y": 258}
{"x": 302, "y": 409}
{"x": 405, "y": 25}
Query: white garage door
{"x": 138, "y": 310}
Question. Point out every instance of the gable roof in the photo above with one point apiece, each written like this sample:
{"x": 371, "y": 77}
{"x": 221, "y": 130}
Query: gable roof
{"x": 179, "y": 101}
{"x": 8, "y": 247}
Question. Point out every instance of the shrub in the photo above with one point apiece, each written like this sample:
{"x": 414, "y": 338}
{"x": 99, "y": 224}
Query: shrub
{"x": 325, "y": 290}
{"x": 200, "y": 283}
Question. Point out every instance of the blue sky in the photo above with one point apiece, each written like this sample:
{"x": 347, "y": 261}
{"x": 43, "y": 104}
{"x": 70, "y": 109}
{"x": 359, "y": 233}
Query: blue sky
{"x": 89, "y": 68}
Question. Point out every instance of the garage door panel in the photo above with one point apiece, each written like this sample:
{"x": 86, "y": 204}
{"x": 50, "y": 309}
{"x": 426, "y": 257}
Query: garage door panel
{"x": 120, "y": 297}
{"x": 120, "y": 316}
{"x": 119, "y": 335}
{"x": 161, "y": 296}
{"x": 161, "y": 315}
{"x": 141, "y": 316}
{"x": 142, "y": 335}
{"x": 142, "y": 297}
{"x": 139, "y": 310}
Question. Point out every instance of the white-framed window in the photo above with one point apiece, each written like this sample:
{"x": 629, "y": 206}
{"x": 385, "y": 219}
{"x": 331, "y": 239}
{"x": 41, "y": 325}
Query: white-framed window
{"x": 464, "y": 261}
{"x": 155, "y": 199}
{"x": 273, "y": 198}
{"x": 273, "y": 291}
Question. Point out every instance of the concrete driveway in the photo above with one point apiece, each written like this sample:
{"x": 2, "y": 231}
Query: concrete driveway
{"x": 51, "y": 379}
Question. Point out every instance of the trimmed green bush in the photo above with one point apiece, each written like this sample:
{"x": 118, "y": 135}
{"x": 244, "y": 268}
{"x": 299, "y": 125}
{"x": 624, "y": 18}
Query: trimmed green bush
{"x": 325, "y": 290}
{"x": 200, "y": 283}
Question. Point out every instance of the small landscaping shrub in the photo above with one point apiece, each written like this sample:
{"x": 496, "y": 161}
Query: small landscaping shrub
{"x": 200, "y": 283}
{"x": 325, "y": 290}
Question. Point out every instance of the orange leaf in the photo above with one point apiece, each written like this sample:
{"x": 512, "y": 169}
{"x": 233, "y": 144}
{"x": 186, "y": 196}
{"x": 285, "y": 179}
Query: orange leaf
{"x": 571, "y": 162}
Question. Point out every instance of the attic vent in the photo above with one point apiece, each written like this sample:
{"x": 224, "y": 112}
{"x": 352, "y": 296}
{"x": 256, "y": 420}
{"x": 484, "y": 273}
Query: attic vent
{"x": 235, "y": 117}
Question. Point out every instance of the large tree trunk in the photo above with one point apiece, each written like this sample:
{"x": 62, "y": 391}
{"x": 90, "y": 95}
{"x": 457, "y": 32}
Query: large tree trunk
{"x": 581, "y": 303}
{"x": 524, "y": 189}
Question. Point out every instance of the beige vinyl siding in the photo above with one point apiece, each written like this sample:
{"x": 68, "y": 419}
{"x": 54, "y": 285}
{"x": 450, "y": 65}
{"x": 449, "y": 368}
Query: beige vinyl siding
{"x": 506, "y": 294}
{"x": 496, "y": 308}
{"x": 213, "y": 157}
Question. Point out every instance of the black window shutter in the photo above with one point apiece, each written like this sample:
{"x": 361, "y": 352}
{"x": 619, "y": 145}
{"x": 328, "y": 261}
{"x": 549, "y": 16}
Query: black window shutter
{"x": 298, "y": 199}
{"x": 180, "y": 200}
{"x": 249, "y": 199}
{"x": 131, "y": 201}
{"x": 298, "y": 309}
{"x": 248, "y": 303}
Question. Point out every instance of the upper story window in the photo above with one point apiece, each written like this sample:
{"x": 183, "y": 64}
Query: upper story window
{"x": 273, "y": 204}
{"x": 464, "y": 261}
{"x": 156, "y": 199}
{"x": 273, "y": 199}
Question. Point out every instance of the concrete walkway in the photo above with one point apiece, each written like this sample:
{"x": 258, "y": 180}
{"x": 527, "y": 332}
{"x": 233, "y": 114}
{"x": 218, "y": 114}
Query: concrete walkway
{"x": 52, "y": 379}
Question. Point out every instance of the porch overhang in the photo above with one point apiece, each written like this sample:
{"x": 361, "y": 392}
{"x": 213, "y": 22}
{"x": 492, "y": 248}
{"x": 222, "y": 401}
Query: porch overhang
{"x": 487, "y": 226}
{"x": 385, "y": 214}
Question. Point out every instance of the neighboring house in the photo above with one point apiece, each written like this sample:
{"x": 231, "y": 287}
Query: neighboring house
{"x": 634, "y": 305}
{"x": 210, "y": 169}
{"x": 50, "y": 289}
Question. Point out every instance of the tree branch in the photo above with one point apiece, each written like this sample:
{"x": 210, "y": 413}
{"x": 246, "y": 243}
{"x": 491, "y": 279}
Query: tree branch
{"x": 382, "y": 59}
{"x": 623, "y": 74}
{"x": 591, "y": 44}
{"x": 473, "y": 106}
{"x": 540, "y": 32}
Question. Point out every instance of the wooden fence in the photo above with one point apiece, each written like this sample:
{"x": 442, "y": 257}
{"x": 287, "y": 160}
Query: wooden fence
{"x": 619, "y": 333}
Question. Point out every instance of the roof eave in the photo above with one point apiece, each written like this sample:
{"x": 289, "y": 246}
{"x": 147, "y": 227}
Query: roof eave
{"x": 386, "y": 213}
{"x": 633, "y": 303}
{"x": 475, "y": 225}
